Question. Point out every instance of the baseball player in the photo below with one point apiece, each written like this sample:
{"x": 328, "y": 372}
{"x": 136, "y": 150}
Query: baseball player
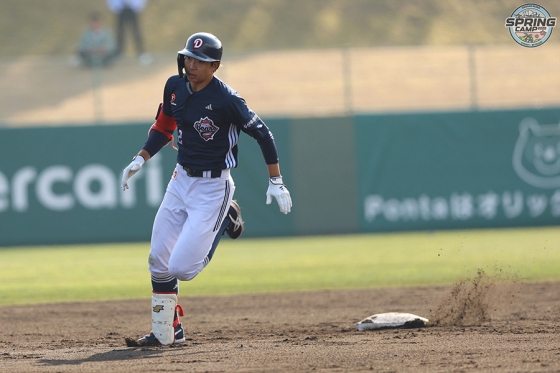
{"x": 207, "y": 117}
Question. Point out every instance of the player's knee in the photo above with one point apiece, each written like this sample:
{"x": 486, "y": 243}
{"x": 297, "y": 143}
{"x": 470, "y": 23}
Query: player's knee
{"x": 184, "y": 273}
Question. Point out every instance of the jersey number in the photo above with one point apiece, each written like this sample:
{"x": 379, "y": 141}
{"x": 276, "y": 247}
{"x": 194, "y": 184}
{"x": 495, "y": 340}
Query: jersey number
{"x": 180, "y": 137}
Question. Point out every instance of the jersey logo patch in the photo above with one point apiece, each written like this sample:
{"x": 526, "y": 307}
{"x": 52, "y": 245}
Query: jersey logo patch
{"x": 206, "y": 128}
{"x": 209, "y": 107}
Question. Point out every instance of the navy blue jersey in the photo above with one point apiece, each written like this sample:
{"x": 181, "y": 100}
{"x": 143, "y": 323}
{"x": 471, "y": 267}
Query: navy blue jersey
{"x": 209, "y": 123}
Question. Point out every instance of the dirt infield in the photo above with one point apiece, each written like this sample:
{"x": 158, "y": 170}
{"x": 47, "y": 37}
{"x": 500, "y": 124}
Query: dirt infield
{"x": 512, "y": 328}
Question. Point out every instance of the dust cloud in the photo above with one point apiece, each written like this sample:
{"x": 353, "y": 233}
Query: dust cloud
{"x": 472, "y": 300}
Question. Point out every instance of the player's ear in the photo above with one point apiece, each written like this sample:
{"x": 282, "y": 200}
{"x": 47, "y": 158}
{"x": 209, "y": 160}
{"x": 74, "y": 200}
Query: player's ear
{"x": 216, "y": 65}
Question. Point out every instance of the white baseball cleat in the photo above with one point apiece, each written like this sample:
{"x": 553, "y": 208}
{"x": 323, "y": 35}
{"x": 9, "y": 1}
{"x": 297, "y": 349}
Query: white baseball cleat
{"x": 235, "y": 228}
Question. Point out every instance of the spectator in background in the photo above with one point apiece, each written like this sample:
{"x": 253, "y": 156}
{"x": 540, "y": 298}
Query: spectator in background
{"x": 128, "y": 15}
{"x": 97, "y": 44}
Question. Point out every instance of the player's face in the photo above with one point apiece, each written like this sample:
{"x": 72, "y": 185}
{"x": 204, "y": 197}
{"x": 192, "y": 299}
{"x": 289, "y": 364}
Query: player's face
{"x": 199, "y": 72}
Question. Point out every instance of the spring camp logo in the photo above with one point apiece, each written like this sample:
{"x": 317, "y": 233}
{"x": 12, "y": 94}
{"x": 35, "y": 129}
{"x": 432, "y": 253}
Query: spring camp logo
{"x": 530, "y": 25}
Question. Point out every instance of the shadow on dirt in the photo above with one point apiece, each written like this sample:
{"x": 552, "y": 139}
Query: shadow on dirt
{"x": 114, "y": 355}
{"x": 125, "y": 354}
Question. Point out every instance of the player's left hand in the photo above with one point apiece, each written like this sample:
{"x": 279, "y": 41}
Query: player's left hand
{"x": 278, "y": 190}
{"x": 131, "y": 169}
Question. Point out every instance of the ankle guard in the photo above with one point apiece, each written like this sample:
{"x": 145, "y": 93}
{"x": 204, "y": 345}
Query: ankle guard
{"x": 163, "y": 313}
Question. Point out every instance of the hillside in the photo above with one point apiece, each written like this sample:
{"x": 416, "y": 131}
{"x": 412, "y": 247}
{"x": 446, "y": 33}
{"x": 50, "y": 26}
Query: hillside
{"x": 287, "y": 58}
{"x": 326, "y": 82}
{"x": 39, "y": 27}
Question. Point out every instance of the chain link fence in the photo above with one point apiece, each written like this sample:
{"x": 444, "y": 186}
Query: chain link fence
{"x": 38, "y": 91}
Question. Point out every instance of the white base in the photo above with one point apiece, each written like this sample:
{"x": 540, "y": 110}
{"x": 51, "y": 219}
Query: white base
{"x": 392, "y": 320}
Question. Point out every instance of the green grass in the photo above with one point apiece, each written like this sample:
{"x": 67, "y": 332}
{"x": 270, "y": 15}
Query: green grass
{"x": 30, "y": 275}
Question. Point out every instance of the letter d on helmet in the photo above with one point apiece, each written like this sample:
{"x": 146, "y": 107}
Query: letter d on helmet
{"x": 201, "y": 46}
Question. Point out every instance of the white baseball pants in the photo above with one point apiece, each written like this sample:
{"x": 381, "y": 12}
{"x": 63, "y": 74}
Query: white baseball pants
{"x": 188, "y": 219}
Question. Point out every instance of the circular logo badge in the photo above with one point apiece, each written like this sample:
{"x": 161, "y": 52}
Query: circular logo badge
{"x": 530, "y": 25}
{"x": 197, "y": 43}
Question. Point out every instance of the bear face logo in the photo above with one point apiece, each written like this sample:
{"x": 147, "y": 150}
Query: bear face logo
{"x": 536, "y": 157}
{"x": 206, "y": 128}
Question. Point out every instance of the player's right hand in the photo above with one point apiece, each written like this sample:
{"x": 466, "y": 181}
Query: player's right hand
{"x": 131, "y": 169}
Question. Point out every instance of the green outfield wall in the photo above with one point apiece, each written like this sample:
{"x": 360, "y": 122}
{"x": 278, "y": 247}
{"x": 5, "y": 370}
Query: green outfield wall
{"x": 363, "y": 173}
{"x": 458, "y": 170}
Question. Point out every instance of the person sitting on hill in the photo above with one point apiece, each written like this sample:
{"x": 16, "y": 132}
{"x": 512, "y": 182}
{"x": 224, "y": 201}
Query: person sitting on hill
{"x": 97, "y": 44}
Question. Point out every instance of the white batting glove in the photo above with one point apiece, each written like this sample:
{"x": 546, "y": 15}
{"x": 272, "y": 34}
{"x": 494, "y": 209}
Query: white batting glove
{"x": 278, "y": 190}
{"x": 131, "y": 169}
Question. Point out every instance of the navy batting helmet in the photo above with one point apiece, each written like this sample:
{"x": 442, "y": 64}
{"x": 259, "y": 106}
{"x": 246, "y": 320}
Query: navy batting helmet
{"x": 201, "y": 46}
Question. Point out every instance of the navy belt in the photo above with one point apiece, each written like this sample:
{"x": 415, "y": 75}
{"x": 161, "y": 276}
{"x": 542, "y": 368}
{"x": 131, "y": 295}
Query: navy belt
{"x": 197, "y": 173}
